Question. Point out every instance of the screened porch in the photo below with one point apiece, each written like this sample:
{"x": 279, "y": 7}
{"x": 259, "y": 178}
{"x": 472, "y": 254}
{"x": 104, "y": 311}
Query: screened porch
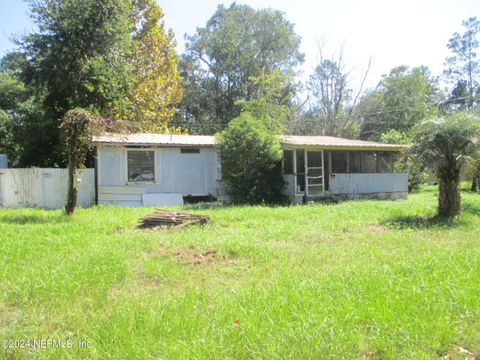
{"x": 320, "y": 173}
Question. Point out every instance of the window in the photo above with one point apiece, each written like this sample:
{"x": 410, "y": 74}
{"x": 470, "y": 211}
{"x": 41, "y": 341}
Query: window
{"x": 141, "y": 166}
{"x": 385, "y": 162}
{"x": 190, "y": 150}
{"x": 287, "y": 161}
{"x": 339, "y": 162}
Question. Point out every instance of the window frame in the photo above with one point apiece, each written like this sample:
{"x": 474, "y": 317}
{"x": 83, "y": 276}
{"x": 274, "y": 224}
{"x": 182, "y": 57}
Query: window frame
{"x": 189, "y": 150}
{"x": 154, "y": 181}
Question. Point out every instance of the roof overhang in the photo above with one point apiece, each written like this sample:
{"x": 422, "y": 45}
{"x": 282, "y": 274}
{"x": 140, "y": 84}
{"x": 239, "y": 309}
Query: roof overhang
{"x": 287, "y": 142}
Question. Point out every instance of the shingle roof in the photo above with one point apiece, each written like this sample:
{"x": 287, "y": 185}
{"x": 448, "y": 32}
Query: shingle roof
{"x": 328, "y": 142}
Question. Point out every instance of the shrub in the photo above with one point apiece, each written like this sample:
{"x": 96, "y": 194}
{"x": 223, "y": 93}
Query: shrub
{"x": 251, "y": 155}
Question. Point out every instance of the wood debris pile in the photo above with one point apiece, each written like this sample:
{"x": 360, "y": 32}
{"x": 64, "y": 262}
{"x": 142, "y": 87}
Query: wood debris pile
{"x": 164, "y": 218}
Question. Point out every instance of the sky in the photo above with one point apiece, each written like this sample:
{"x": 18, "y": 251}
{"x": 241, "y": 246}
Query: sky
{"x": 391, "y": 33}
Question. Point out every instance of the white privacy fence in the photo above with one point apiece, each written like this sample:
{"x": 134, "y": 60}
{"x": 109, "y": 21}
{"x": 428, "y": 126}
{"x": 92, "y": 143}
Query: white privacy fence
{"x": 44, "y": 188}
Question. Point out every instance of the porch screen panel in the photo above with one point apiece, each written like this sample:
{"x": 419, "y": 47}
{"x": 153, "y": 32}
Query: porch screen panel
{"x": 287, "y": 161}
{"x": 385, "y": 162}
{"x": 315, "y": 184}
{"x": 300, "y": 170}
{"x": 355, "y": 160}
{"x": 339, "y": 162}
{"x": 370, "y": 162}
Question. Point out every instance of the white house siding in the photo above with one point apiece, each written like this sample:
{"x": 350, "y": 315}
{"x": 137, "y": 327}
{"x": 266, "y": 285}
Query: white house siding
{"x": 175, "y": 172}
{"x": 43, "y": 187}
{"x": 376, "y": 185}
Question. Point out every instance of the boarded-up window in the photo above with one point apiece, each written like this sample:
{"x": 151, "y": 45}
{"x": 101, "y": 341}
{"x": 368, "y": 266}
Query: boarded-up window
{"x": 141, "y": 166}
{"x": 385, "y": 162}
{"x": 288, "y": 162}
{"x": 339, "y": 162}
{"x": 370, "y": 162}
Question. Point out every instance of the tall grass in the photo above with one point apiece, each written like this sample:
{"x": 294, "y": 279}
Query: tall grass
{"x": 373, "y": 280}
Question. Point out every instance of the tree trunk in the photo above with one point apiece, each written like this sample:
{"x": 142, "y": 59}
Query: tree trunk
{"x": 475, "y": 182}
{"x": 449, "y": 193}
{"x": 72, "y": 184}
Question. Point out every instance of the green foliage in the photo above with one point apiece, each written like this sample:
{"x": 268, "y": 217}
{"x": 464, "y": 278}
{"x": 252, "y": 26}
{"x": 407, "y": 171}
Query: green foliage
{"x": 401, "y": 100}
{"x": 12, "y": 92}
{"x": 78, "y": 57}
{"x": 78, "y": 128}
{"x": 157, "y": 88}
{"x": 251, "y": 156}
{"x": 445, "y": 143}
{"x": 236, "y": 45}
{"x": 112, "y": 57}
{"x": 270, "y": 105}
{"x": 463, "y": 67}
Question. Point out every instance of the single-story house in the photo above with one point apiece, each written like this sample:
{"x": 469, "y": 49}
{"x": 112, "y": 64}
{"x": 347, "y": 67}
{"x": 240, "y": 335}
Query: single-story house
{"x": 159, "y": 169}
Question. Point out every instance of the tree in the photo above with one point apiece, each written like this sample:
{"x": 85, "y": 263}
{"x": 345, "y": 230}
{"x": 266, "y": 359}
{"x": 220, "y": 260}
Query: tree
{"x": 333, "y": 104}
{"x": 462, "y": 68}
{"x": 401, "y": 100}
{"x": 251, "y": 161}
{"x": 77, "y": 58}
{"x": 114, "y": 58}
{"x": 271, "y": 105}
{"x": 237, "y": 44}
{"x": 157, "y": 90}
{"x": 445, "y": 143}
{"x": 77, "y": 129}
{"x": 12, "y": 94}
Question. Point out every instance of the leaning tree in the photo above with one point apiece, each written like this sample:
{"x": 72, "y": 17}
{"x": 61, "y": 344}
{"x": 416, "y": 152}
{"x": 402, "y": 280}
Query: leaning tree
{"x": 445, "y": 143}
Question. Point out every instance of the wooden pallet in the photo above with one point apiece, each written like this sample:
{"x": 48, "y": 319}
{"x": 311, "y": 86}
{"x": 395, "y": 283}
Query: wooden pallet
{"x": 165, "y": 218}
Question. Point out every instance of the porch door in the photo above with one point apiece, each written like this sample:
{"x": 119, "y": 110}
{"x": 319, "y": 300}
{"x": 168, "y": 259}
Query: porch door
{"x": 315, "y": 183}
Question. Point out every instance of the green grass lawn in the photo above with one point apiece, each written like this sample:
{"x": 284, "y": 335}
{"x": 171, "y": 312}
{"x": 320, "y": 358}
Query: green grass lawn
{"x": 355, "y": 280}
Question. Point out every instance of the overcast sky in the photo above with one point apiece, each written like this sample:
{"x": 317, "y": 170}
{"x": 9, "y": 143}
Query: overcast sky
{"x": 390, "y": 32}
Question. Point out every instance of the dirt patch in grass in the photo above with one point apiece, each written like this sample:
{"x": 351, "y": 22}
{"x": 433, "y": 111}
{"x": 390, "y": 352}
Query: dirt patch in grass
{"x": 376, "y": 228}
{"x": 371, "y": 356}
{"x": 193, "y": 256}
{"x": 10, "y": 315}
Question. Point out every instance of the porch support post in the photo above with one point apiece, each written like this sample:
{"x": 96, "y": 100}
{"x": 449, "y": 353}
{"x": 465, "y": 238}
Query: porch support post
{"x": 295, "y": 170}
{"x": 305, "y": 171}
{"x": 329, "y": 161}
{"x": 323, "y": 173}
{"x": 348, "y": 161}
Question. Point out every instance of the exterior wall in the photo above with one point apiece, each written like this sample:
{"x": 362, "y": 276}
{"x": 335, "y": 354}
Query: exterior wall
{"x": 368, "y": 183}
{"x": 175, "y": 173}
{"x": 45, "y": 188}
